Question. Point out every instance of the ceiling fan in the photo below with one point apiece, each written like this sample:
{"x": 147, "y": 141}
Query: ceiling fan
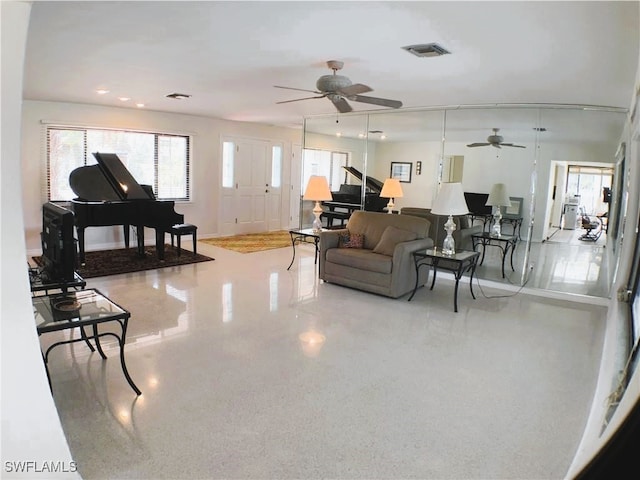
{"x": 339, "y": 89}
{"x": 496, "y": 141}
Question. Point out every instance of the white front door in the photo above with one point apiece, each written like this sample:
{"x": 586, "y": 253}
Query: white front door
{"x": 250, "y": 204}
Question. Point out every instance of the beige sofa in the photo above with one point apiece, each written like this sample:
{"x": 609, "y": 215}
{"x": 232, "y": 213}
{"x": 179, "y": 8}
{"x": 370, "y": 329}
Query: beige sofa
{"x": 461, "y": 235}
{"x": 384, "y": 263}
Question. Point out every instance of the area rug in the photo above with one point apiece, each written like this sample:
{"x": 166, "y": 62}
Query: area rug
{"x": 252, "y": 242}
{"x": 126, "y": 260}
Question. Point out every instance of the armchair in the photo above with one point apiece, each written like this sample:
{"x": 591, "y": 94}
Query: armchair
{"x": 381, "y": 261}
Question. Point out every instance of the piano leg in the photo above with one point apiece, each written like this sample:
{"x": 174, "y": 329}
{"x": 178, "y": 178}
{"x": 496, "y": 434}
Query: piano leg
{"x": 126, "y": 235}
{"x": 160, "y": 234}
{"x": 80, "y": 231}
{"x": 140, "y": 235}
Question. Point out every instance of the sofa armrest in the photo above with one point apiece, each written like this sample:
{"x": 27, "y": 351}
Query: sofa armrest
{"x": 402, "y": 255}
{"x": 328, "y": 239}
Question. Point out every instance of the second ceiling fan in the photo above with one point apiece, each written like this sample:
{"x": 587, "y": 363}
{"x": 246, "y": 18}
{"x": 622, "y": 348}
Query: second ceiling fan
{"x": 339, "y": 89}
{"x": 496, "y": 141}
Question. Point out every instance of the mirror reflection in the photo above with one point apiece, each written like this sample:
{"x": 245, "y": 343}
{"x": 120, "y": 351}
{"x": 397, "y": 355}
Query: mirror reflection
{"x": 543, "y": 177}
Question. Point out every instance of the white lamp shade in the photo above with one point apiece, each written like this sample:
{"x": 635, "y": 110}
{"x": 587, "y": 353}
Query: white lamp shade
{"x": 498, "y": 196}
{"x": 391, "y": 188}
{"x": 450, "y": 200}
{"x": 317, "y": 189}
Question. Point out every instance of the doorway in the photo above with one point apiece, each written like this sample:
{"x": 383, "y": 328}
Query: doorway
{"x": 251, "y": 186}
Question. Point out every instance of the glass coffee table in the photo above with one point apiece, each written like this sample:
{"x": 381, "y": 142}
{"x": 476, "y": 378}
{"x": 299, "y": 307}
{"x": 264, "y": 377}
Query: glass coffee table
{"x": 85, "y": 309}
{"x": 460, "y": 262}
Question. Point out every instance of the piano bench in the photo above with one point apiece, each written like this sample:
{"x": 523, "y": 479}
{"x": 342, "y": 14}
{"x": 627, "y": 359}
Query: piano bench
{"x": 331, "y": 216}
{"x": 183, "y": 229}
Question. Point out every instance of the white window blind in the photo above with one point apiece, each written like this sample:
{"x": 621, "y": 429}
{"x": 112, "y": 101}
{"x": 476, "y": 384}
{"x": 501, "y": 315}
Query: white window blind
{"x": 157, "y": 159}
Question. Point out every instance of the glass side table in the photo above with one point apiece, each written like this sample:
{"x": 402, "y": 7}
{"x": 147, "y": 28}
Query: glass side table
{"x": 506, "y": 244}
{"x": 460, "y": 262}
{"x": 306, "y": 235}
{"x": 85, "y": 309}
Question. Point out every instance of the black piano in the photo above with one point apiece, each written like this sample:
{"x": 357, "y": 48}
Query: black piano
{"x": 352, "y": 194}
{"x": 108, "y": 195}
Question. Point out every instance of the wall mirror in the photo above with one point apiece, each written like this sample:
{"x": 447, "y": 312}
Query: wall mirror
{"x": 545, "y": 142}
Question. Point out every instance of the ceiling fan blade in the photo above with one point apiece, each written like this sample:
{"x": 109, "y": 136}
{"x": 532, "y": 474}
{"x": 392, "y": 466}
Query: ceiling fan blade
{"x": 341, "y": 104}
{"x": 512, "y": 145}
{"x": 355, "y": 89}
{"x": 298, "y": 99}
{"x": 297, "y": 89}
{"x": 478, "y": 144}
{"x": 383, "y": 102}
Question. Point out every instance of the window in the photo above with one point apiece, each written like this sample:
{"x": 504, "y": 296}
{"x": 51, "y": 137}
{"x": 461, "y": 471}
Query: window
{"x": 325, "y": 163}
{"x": 276, "y": 166}
{"x": 228, "y": 151}
{"x": 588, "y": 183}
{"x": 157, "y": 159}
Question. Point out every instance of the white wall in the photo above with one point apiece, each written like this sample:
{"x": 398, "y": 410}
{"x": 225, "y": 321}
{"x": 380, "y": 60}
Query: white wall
{"x": 204, "y": 208}
{"x": 31, "y": 429}
{"x": 421, "y": 191}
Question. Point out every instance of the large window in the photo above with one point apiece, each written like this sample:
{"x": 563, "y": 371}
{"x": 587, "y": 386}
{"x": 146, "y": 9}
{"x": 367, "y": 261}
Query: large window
{"x": 157, "y": 159}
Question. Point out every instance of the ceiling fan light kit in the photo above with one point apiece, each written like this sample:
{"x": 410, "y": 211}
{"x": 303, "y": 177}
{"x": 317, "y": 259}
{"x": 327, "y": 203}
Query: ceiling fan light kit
{"x": 338, "y": 89}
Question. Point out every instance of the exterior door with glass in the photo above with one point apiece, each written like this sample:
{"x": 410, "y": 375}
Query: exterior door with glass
{"x": 250, "y": 196}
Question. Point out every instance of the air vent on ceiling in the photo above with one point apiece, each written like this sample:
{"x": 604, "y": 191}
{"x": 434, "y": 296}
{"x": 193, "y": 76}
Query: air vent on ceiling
{"x": 179, "y": 96}
{"x": 426, "y": 50}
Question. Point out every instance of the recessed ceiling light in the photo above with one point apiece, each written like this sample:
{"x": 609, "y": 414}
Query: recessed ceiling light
{"x": 140, "y": 105}
{"x": 426, "y": 50}
{"x": 124, "y": 99}
{"x": 338, "y": 134}
{"x": 102, "y": 91}
{"x": 179, "y": 96}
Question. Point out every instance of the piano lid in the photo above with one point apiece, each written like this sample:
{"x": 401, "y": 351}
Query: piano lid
{"x": 120, "y": 178}
{"x": 373, "y": 184}
{"x": 109, "y": 180}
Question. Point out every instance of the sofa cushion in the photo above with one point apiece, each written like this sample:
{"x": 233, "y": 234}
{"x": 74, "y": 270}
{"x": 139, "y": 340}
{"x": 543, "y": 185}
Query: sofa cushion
{"x": 350, "y": 240}
{"x": 391, "y": 237}
{"x": 360, "y": 259}
{"x": 373, "y": 224}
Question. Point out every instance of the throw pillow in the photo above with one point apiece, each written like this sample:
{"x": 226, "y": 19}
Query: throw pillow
{"x": 391, "y": 237}
{"x": 350, "y": 240}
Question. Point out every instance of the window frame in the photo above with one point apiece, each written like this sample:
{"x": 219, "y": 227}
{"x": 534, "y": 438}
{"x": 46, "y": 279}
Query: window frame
{"x": 87, "y": 156}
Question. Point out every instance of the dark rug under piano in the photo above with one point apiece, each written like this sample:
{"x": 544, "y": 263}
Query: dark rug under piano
{"x": 102, "y": 263}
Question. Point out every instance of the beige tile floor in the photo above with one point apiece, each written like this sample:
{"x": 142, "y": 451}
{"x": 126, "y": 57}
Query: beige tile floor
{"x": 252, "y": 371}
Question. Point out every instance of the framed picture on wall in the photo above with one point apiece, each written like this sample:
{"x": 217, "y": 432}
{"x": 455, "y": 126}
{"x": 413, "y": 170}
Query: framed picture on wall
{"x": 401, "y": 171}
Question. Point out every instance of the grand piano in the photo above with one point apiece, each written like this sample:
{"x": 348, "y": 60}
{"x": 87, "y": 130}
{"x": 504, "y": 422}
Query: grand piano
{"x": 108, "y": 195}
{"x": 349, "y": 197}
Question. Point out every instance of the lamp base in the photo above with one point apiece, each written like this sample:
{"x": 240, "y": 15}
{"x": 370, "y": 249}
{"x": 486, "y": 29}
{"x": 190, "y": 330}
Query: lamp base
{"x": 449, "y": 244}
{"x": 496, "y": 228}
{"x": 317, "y": 223}
{"x": 390, "y": 206}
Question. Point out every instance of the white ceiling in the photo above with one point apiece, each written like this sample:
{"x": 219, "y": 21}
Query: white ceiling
{"x": 229, "y": 55}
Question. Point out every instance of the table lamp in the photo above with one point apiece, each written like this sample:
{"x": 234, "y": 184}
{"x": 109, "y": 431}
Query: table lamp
{"x": 450, "y": 201}
{"x": 317, "y": 190}
{"x": 391, "y": 189}
{"x": 498, "y": 198}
